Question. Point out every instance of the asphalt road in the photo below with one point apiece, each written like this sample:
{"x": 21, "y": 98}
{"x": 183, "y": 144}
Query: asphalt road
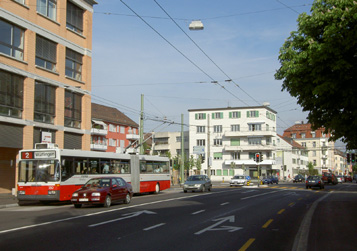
{"x": 277, "y": 217}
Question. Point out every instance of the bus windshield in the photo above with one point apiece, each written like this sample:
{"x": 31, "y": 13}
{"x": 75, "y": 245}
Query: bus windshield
{"x": 39, "y": 171}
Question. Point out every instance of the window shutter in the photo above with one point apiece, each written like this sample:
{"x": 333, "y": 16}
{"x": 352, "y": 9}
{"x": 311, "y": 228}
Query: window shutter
{"x": 196, "y": 116}
{"x": 230, "y": 115}
{"x": 247, "y": 114}
{"x": 212, "y": 115}
{"x": 256, "y": 114}
{"x": 238, "y": 114}
{"x": 221, "y": 115}
{"x": 204, "y": 116}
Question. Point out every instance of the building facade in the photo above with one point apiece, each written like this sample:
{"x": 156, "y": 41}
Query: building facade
{"x": 164, "y": 143}
{"x": 112, "y": 130}
{"x": 320, "y": 149}
{"x": 291, "y": 158}
{"x": 229, "y": 138}
{"x": 45, "y": 78}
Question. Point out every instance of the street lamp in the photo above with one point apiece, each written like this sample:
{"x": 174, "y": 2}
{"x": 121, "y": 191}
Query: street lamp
{"x": 196, "y": 25}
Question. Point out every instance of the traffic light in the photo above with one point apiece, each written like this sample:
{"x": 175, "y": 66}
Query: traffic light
{"x": 353, "y": 158}
{"x": 348, "y": 158}
{"x": 202, "y": 158}
{"x": 261, "y": 158}
{"x": 257, "y": 157}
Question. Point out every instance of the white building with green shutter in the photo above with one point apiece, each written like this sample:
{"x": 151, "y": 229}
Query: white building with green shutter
{"x": 231, "y": 137}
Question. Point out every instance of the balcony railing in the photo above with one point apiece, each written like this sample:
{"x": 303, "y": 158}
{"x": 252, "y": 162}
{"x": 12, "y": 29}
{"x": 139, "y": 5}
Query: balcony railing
{"x": 98, "y": 147}
{"x": 95, "y": 131}
{"x": 249, "y": 133}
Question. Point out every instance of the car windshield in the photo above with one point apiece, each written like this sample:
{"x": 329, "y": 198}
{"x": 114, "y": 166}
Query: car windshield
{"x": 194, "y": 178}
{"x": 98, "y": 183}
{"x": 313, "y": 178}
{"x": 238, "y": 177}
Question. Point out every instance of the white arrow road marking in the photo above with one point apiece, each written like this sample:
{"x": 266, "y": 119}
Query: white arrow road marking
{"x": 220, "y": 221}
{"x": 129, "y": 215}
{"x": 155, "y": 226}
{"x": 225, "y": 203}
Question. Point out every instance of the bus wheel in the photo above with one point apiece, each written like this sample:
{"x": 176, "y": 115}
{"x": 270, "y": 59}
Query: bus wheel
{"x": 108, "y": 201}
{"x": 157, "y": 188}
{"x": 77, "y": 205}
{"x": 127, "y": 198}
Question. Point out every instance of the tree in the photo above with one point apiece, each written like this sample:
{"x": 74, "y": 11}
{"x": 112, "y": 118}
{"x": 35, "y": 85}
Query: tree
{"x": 319, "y": 67}
{"x": 312, "y": 170}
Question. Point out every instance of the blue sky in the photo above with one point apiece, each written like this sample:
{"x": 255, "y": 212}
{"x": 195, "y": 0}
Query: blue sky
{"x": 159, "y": 60}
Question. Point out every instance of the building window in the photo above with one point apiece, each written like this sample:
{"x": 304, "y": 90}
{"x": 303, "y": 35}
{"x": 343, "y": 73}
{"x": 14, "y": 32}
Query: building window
{"x": 200, "y": 129}
{"x": 234, "y": 115}
{"x": 217, "y": 142}
{"x": 11, "y": 94}
{"x": 303, "y": 135}
{"x": 74, "y": 18}
{"x": 293, "y": 135}
{"x": 72, "y": 110}
{"x": 314, "y": 144}
{"x": 303, "y": 144}
{"x": 235, "y": 155}
{"x": 217, "y": 128}
{"x": 255, "y": 127}
{"x": 313, "y": 134}
{"x": 254, "y": 141}
{"x": 46, "y": 53}
{"x": 11, "y": 40}
{"x": 217, "y": 155}
{"x": 201, "y": 142}
{"x": 314, "y": 162}
{"x": 122, "y": 143}
{"x": 313, "y": 153}
{"x": 20, "y": 1}
{"x": 47, "y": 8}
{"x": 252, "y": 114}
{"x": 217, "y": 115}
{"x": 200, "y": 116}
{"x": 112, "y": 142}
{"x": 122, "y": 129}
{"x": 111, "y": 128}
{"x": 45, "y": 103}
{"x": 73, "y": 64}
{"x": 235, "y": 142}
{"x": 235, "y": 128}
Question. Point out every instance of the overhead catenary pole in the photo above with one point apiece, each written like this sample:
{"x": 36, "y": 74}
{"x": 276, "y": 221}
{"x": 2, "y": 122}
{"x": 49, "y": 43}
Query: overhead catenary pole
{"x": 141, "y": 136}
{"x": 182, "y": 151}
{"x": 208, "y": 149}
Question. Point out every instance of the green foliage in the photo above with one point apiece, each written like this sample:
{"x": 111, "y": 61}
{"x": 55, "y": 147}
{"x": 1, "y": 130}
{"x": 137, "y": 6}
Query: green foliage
{"x": 319, "y": 67}
{"x": 312, "y": 171}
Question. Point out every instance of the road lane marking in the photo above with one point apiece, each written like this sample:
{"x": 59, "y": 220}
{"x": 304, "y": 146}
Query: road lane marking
{"x": 301, "y": 239}
{"x": 225, "y": 203}
{"x": 267, "y": 223}
{"x": 221, "y": 228}
{"x": 257, "y": 195}
{"x": 198, "y": 212}
{"x": 281, "y": 211}
{"x": 291, "y": 204}
{"x": 155, "y": 226}
{"x": 247, "y": 244}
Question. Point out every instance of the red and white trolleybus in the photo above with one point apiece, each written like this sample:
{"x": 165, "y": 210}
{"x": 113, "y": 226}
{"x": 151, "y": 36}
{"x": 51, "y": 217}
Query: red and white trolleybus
{"x": 48, "y": 173}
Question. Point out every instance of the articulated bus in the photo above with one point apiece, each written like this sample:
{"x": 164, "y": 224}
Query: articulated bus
{"x": 48, "y": 173}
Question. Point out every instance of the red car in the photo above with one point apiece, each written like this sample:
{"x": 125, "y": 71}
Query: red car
{"x": 329, "y": 178}
{"x": 103, "y": 191}
{"x": 348, "y": 178}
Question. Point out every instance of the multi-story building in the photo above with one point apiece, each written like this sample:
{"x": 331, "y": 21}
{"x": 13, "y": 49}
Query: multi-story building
{"x": 229, "y": 139}
{"x": 321, "y": 150}
{"x": 112, "y": 130}
{"x": 291, "y": 157}
{"x": 169, "y": 142}
{"x": 45, "y": 77}
{"x": 340, "y": 163}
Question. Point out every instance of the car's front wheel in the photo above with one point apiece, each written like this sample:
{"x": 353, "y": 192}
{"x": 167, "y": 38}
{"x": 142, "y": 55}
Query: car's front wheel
{"x": 108, "y": 201}
{"x": 203, "y": 189}
{"x": 127, "y": 198}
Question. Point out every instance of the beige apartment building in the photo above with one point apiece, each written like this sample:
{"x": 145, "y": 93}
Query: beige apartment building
{"x": 45, "y": 77}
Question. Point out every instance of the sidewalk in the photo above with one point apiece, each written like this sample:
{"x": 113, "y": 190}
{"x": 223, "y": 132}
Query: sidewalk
{"x": 8, "y": 200}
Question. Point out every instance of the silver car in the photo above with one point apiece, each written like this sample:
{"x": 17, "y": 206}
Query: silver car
{"x": 197, "y": 183}
{"x": 238, "y": 180}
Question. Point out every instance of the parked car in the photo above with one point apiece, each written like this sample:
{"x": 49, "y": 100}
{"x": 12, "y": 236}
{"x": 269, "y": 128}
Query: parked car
{"x": 355, "y": 177}
{"x": 274, "y": 179}
{"x": 267, "y": 180}
{"x": 238, "y": 180}
{"x": 329, "y": 178}
{"x": 298, "y": 178}
{"x": 340, "y": 178}
{"x": 197, "y": 183}
{"x": 348, "y": 178}
{"x": 103, "y": 191}
{"x": 314, "y": 181}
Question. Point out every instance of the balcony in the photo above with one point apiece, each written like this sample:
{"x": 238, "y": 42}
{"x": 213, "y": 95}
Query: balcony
{"x": 98, "y": 147}
{"x": 249, "y": 133}
{"x": 95, "y": 131}
{"x": 160, "y": 147}
{"x": 132, "y": 137}
{"x": 249, "y": 162}
{"x": 242, "y": 148}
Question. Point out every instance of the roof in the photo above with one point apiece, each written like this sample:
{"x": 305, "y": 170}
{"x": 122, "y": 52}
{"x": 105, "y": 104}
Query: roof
{"x": 232, "y": 108}
{"x": 111, "y": 114}
{"x": 292, "y": 142}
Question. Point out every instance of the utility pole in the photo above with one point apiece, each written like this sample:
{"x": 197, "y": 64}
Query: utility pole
{"x": 141, "y": 132}
{"x": 182, "y": 151}
{"x": 208, "y": 149}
